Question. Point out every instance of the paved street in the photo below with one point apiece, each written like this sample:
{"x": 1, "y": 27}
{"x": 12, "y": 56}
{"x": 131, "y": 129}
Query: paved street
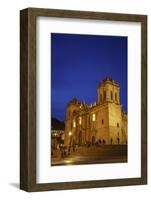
{"x": 93, "y": 155}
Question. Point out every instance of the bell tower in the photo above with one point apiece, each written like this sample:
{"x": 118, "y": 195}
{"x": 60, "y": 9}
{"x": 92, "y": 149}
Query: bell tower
{"x": 108, "y": 91}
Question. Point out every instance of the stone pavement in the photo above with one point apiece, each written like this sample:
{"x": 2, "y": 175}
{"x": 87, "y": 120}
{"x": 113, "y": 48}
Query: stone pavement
{"x": 93, "y": 155}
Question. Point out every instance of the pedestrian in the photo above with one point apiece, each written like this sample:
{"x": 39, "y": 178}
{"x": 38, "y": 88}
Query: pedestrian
{"x": 69, "y": 150}
{"x": 100, "y": 142}
{"x": 73, "y": 148}
{"x": 62, "y": 152}
{"x": 103, "y": 141}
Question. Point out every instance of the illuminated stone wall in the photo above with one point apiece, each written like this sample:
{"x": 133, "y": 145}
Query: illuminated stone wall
{"x": 100, "y": 121}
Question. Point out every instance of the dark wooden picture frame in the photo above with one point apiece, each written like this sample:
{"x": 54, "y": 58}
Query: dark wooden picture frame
{"x": 28, "y": 99}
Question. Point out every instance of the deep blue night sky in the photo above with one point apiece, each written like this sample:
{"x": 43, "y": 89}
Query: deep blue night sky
{"x": 80, "y": 62}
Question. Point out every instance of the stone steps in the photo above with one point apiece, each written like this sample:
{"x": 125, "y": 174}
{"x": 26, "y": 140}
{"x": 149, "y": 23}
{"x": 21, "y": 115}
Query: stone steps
{"x": 108, "y": 150}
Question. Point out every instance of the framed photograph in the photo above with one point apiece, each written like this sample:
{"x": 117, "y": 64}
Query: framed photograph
{"x": 83, "y": 99}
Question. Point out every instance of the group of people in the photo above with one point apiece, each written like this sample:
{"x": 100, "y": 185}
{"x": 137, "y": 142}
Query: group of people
{"x": 96, "y": 143}
{"x": 66, "y": 151}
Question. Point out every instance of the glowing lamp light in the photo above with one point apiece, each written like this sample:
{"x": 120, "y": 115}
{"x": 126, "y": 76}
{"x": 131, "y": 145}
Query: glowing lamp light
{"x": 68, "y": 161}
{"x": 70, "y": 133}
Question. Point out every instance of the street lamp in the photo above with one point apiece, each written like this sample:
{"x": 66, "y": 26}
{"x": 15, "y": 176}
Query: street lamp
{"x": 70, "y": 133}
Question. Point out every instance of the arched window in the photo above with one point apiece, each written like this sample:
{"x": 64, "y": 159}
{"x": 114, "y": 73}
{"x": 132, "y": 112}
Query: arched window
{"x": 74, "y": 124}
{"x": 93, "y": 117}
{"x": 104, "y": 95}
{"x": 118, "y": 125}
{"x": 111, "y": 95}
{"x": 80, "y": 120}
{"x": 115, "y": 96}
{"x": 74, "y": 112}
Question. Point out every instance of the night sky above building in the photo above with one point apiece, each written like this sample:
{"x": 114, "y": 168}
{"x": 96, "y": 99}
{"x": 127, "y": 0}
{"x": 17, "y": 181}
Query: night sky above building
{"x": 79, "y": 63}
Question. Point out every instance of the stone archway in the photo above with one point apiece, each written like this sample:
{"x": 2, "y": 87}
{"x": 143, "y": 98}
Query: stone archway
{"x": 93, "y": 140}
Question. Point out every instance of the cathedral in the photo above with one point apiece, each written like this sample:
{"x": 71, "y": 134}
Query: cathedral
{"x": 103, "y": 121}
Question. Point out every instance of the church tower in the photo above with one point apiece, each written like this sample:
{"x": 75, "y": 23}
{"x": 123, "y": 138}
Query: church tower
{"x": 109, "y": 97}
{"x": 108, "y": 91}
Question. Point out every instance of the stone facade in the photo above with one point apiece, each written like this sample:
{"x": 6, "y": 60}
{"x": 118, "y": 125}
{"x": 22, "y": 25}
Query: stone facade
{"x": 102, "y": 121}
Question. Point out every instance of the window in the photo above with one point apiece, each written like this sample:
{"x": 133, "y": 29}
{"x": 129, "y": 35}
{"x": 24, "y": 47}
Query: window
{"x": 102, "y": 121}
{"x": 80, "y": 120}
{"x": 118, "y": 125}
{"x": 74, "y": 112}
{"x": 88, "y": 121}
{"x": 111, "y": 95}
{"x": 104, "y": 95}
{"x": 115, "y": 96}
{"x": 93, "y": 117}
{"x": 74, "y": 124}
